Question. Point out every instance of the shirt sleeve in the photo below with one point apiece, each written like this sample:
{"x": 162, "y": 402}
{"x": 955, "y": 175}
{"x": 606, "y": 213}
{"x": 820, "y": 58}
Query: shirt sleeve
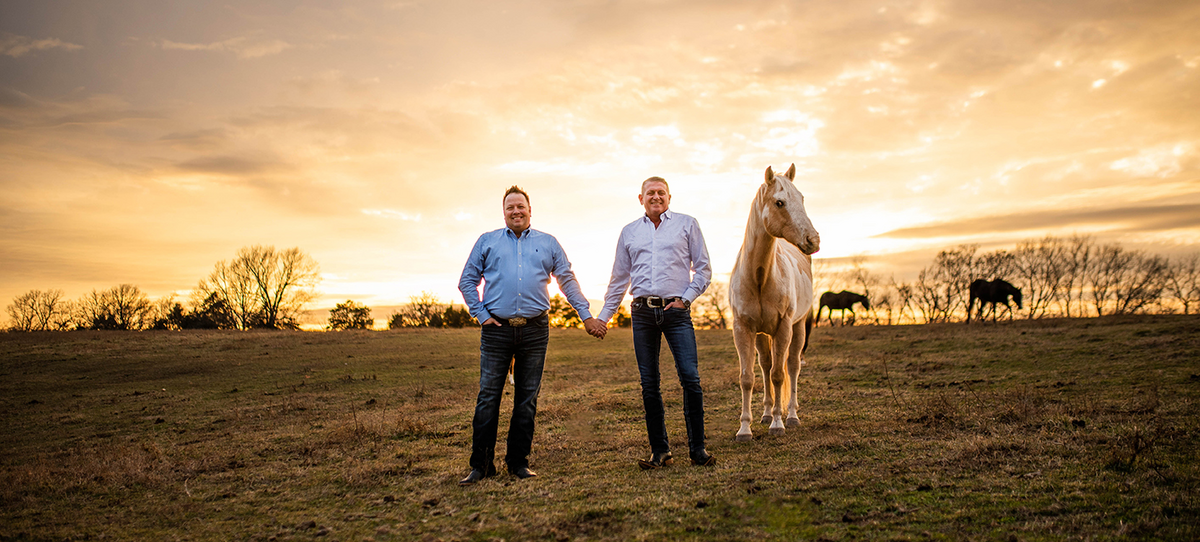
{"x": 567, "y": 284}
{"x": 468, "y": 283}
{"x": 618, "y": 284}
{"x": 701, "y": 270}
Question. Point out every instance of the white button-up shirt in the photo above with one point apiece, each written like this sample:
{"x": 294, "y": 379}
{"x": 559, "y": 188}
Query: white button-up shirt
{"x": 668, "y": 261}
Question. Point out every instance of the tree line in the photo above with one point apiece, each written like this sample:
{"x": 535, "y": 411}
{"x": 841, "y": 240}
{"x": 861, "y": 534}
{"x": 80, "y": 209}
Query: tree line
{"x": 260, "y": 287}
{"x": 1070, "y": 277}
{"x": 427, "y": 311}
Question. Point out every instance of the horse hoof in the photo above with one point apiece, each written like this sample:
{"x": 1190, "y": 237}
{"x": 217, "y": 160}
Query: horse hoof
{"x": 777, "y": 431}
{"x": 744, "y": 438}
{"x": 766, "y": 419}
{"x": 793, "y": 422}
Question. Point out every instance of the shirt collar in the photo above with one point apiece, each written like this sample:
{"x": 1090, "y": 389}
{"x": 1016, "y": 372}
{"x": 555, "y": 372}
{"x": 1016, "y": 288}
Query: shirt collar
{"x": 526, "y": 233}
{"x": 665, "y": 216}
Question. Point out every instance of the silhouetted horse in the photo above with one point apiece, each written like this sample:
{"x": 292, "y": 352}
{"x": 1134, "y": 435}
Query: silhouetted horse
{"x": 842, "y": 301}
{"x": 992, "y": 291}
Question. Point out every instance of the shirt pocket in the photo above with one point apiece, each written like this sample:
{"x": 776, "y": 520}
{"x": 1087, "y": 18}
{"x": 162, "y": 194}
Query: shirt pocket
{"x": 543, "y": 259}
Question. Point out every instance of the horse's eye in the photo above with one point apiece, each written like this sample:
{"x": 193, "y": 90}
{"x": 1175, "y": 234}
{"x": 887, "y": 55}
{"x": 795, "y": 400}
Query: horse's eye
{"x": 780, "y": 203}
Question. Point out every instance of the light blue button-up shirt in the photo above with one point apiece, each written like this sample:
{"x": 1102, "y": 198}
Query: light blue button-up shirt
{"x": 515, "y": 271}
{"x": 668, "y": 261}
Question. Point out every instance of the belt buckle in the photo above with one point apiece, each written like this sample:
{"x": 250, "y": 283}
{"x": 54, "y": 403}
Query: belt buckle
{"x": 650, "y": 302}
{"x": 517, "y": 321}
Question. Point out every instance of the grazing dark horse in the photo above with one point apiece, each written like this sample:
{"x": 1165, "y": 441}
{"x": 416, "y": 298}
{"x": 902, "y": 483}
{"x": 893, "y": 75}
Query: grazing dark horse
{"x": 842, "y": 301}
{"x": 993, "y": 291}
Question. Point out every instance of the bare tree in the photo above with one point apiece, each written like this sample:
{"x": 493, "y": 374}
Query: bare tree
{"x": 164, "y": 313}
{"x": 285, "y": 281}
{"x": 131, "y": 309}
{"x": 91, "y": 311}
{"x": 905, "y": 300}
{"x": 941, "y": 289}
{"x": 711, "y": 310}
{"x": 998, "y": 264}
{"x": 262, "y": 287}
{"x": 1078, "y": 254}
{"x": 928, "y": 297}
{"x": 1111, "y": 264}
{"x": 1142, "y": 285}
{"x": 38, "y": 310}
{"x": 230, "y": 290}
{"x": 1039, "y": 264}
{"x": 425, "y": 310}
{"x": 1183, "y": 281}
{"x": 122, "y": 307}
{"x": 63, "y": 319}
{"x": 860, "y": 278}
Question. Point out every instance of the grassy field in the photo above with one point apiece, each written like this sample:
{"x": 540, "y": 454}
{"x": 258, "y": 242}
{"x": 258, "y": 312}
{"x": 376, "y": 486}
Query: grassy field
{"x": 1048, "y": 430}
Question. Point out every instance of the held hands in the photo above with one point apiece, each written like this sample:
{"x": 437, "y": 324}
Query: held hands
{"x": 595, "y": 327}
{"x": 677, "y": 304}
{"x": 490, "y": 322}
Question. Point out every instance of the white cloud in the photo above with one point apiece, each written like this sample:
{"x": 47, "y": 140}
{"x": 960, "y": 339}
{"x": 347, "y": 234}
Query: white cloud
{"x": 243, "y": 47}
{"x": 17, "y": 46}
{"x": 1162, "y": 162}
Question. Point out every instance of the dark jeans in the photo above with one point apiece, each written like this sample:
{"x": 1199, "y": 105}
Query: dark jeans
{"x": 650, "y": 325}
{"x": 525, "y": 347}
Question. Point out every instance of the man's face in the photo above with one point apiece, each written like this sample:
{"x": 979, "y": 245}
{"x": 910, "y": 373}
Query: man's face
{"x": 655, "y": 198}
{"x": 516, "y": 212}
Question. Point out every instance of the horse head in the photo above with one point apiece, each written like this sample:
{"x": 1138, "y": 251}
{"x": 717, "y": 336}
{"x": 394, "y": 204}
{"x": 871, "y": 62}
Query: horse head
{"x": 781, "y": 208}
{"x": 1016, "y": 293}
{"x": 865, "y": 303}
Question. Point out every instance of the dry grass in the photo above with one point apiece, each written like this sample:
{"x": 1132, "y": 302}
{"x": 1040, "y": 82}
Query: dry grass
{"x": 1031, "y": 430}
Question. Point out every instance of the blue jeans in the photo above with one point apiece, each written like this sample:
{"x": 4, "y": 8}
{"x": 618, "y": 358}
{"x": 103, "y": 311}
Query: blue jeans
{"x": 650, "y": 325}
{"x": 525, "y": 348}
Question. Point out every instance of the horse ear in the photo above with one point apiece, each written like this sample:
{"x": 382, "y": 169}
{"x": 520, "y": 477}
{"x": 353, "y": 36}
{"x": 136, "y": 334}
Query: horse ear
{"x": 791, "y": 173}
{"x": 770, "y": 175}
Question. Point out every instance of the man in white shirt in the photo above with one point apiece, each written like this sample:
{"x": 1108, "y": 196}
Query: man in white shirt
{"x": 663, "y": 263}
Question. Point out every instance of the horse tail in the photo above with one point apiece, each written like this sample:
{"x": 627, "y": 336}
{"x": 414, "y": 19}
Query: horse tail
{"x": 808, "y": 325}
{"x": 818, "y": 320}
{"x": 969, "y": 304}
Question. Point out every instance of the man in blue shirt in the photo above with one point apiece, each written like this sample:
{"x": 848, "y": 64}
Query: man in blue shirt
{"x": 663, "y": 263}
{"x": 514, "y": 264}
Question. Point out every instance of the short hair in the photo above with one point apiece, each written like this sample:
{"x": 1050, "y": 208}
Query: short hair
{"x": 655, "y": 180}
{"x": 514, "y": 189}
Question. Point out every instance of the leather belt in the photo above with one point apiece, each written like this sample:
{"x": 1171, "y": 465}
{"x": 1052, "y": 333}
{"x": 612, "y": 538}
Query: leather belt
{"x": 656, "y": 302}
{"x": 518, "y": 321}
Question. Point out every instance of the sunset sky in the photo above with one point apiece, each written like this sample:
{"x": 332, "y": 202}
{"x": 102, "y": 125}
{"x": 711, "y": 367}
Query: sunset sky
{"x": 143, "y": 141}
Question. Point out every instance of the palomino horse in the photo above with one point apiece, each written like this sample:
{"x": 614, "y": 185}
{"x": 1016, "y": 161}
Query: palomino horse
{"x": 841, "y": 301}
{"x": 771, "y": 294}
{"x": 992, "y": 291}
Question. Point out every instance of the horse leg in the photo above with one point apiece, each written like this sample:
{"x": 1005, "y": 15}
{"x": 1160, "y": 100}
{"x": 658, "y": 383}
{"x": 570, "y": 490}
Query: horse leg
{"x": 743, "y": 340}
{"x": 795, "y": 362}
{"x": 781, "y": 342}
{"x": 765, "y": 362}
